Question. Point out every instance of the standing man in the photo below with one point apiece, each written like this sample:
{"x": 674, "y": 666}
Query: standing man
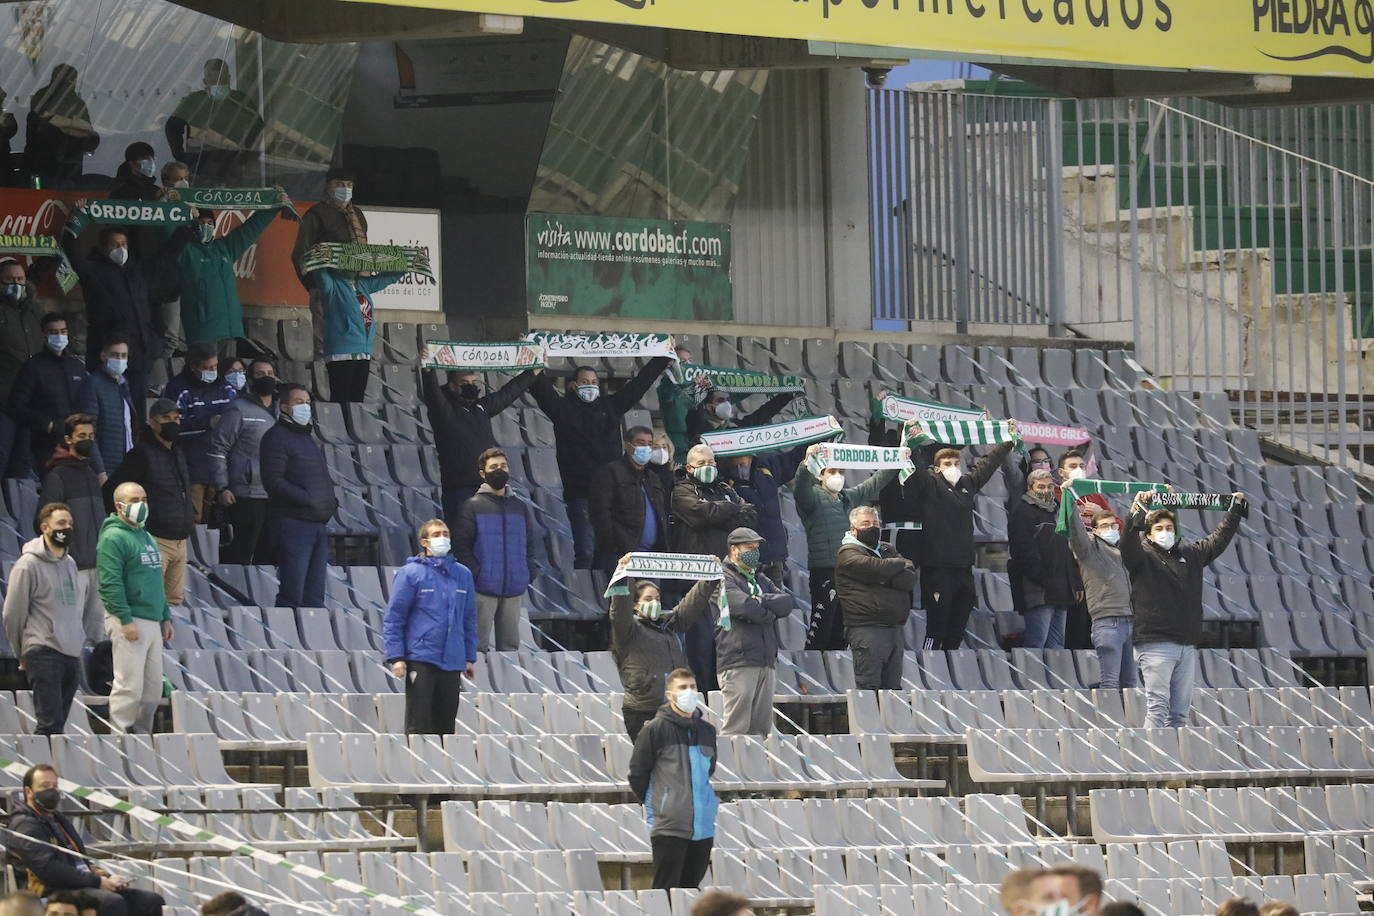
{"x": 217, "y": 129}
{"x": 670, "y": 773}
{"x": 46, "y": 610}
{"x": 461, "y": 418}
{"x": 1108, "y": 591}
{"x": 59, "y": 134}
{"x": 747, "y": 649}
{"x": 586, "y": 428}
{"x": 350, "y": 328}
{"x": 333, "y": 219}
{"x": 136, "y": 177}
{"x": 1166, "y": 593}
{"x": 301, "y": 500}
{"x": 158, "y": 466}
{"x": 874, "y": 583}
{"x": 45, "y": 391}
{"x": 717, "y": 411}
{"x": 138, "y": 620}
{"x": 105, "y": 397}
{"x": 676, "y": 398}
{"x": 498, "y": 543}
{"x": 72, "y": 481}
{"x": 200, "y": 396}
{"x": 21, "y": 336}
{"x": 628, "y": 507}
{"x": 430, "y": 632}
{"x": 758, "y": 479}
{"x": 1044, "y": 577}
{"x": 235, "y": 468}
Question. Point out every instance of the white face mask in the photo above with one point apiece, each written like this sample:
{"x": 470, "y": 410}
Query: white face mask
{"x": 589, "y": 393}
{"x": 724, "y": 410}
{"x": 218, "y": 91}
{"x": 237, "y": 380}
{"x": 439, "y": 547}
{"x": 834, "y": 483}
{"x": 147, "y": 167}
{"x": 343, "y": 195}
{"x": 181, "y": 183}
{"x": 300, "y": 414}
{"x": 116, "y": 367}
{"x": 659, "y": 456}
{"x": 119, "y": 256}
{"x": 951, "y": 474}
{"x": 1110, "y": 535}
{"x": 209, "y": 375}
{"x": 686, "y": 700}
{"x": 1165, "y": 540}
{"x": 1077, "y": 473}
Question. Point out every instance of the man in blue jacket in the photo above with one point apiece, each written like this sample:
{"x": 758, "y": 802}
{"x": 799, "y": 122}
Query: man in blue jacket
{"x": 429, "y": 633}
{"x": 105, "y": 396}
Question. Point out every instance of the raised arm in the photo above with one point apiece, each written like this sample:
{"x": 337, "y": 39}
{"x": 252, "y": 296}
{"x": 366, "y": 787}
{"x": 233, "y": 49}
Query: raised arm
{"x": 1215, "y": 544}
{"x": 987, "y": 465}
{"x": 770, "y": 409}
{"x": 699, "y": 602}
{"x": 548, "y": 400}
{"x": 627, "y": 397}
{"x": 868, "y": 491}
{"x": 507, "y": 394}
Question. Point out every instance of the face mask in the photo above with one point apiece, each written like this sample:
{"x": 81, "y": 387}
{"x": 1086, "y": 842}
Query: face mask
{"x": 15, "y": 291}
{"x": 706, "y": 473}
{"x": 300, "y": 414}
{"x": 1040, "y": 465}
{"x": 1110, "y": 535}
{"x": 61, "y": 537}
{"x": 48, "y": 799}
{"x": 209, "y": 375}
{"x": 589, "y": 393}
{"x": 116, "y": 367}
{"x": 170, "y": 431}
{"x": 952, "y": 475}
{"x": 57, "y": 342}
{"x": 868, "y": 536}
{"x": 119, "y": 256}
{"x": 1164, "y": 539}
{"x": 146, "y": 167}
{"x": 134, "y": 513}
{"x": 498, "y": 479}
{"x": 834, "y": 483}
{"x": 642, "y": 454}
{"x": 83, "y": 448}
{"x": 181, "y": 183}
{"x": 207, "y": 233}
{"x": 749, "y": 559}
{"x": 1077, "y": 473}
{"x": 469, "y": 392}
{"x": 686, "y": 700}
{"x": 439, "y": 547}
{"x": 652, "y": 609}
{"x": 659, "y": 456}
{"x": 263, "y": 386}
{"x": 236, "y": 380}
{"x": 724, "y": 410}
{"x": 343, "y": 195}
{"x": 218, "y": 91}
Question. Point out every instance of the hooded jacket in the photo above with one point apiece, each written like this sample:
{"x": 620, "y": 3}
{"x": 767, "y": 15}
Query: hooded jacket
{"x": 756, "y": 606}
{"x": 946, "y": 512}
{"x": 825, "y": 515}
{"x": 129, "y": 568}
{"x": 200, "y": 404}
{"x": 108, "y": 400}
{"x": 235, "y": 446}
{"x": 768, "y": 474}
{"x": 45, "y": 395}
{"x": 1106, "y": 586}
{"x": 874, "y": 585}
{"x": 294, "y": 474}
{"x": 210, "y": 306}
{"x": 1042, "y": 570}
{"x": 645, "y": 651}
{"x": 1166, "y": 585}
{"x": 31, "y": 840}
{"x": 462, "y": 431}
{"x": 432, "y": 615}
{"x": 496, "y": 539}
{"x": 346, "y": 330}
{"x": 705, "y": 514}
{"x": 73, "y": 481}
{"x": 587, "y": 435}
{"x": 21, "y": 336}
{"x": 670, "y": 773}
{"x": 45, "y": 602}
{"x": 165, "y": 477}
{"x": 616, "y": 504}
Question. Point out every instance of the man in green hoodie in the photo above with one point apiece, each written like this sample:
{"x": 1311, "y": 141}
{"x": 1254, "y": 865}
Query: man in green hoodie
{"x": 138, "y": 620}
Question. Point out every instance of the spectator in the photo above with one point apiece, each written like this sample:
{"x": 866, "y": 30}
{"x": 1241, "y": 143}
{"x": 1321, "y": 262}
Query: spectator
{"x": 104, "y": 396}
{"x": 158, "y": 465}
{"x": 350, "y": 328}
{"x": 717, "y": 412}
{"x": 1079, "y": 886}
{"x": 705, "y": 511}
{"x": 45, "y": 391}
{"x": 628, "y": 507}
{"x": 1015, "y": 473}
{"x": 48, "y": 614}
{"x": 234, "y": 371}
{"x": 758, "y": 479}
{"x": 217, "y": 129}
{"x": 1272, "y": 908}
{"x": 175, "y": 174}
{"x": 586, "y": 427}
{"x": 824, "y": 505}
{"x": 720, "y": 903}
{"x": 898, "y": 514}
{"x": 661, "y": 466}
{"x": 874, "y": 584}
{"x": 675, "y": 755}
{"x": 1108, "y": 591}
{"x": 676, "y": 398}
{"x": 21, "y": 336}
{"x": 59, "y": 133}
{"x": 63, "y": 903}
{"x": 1015, "y": 890}
{"x": 461, "y": 418}
{"x": 1044, "y": 577}
{"x": 167, "y": 295}
{"x": 200, "y": 396}
{"x": 944, "y": 496}
{"x": 499, "y": 544}
{"x": 137, "y": 619}
{"x": 49, "y": 849}
{"x": 333, "y": 219}
{"x": 301, "y": 500}
{"x": 747, "y": 649}
{"x": 430, "y": 632}
{"x": 1238, "y": 906}
{"x": 1166, "y": 594}
{"x": 71, "y": 479}
{"x": 136, "y": 177}
{"x": 235, "y": 467}
{"x": 646, "y": 642}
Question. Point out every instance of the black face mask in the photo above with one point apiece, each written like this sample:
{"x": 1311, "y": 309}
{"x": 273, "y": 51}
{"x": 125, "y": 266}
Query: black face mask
{"x": 263, "y": 386}
{"x": 83, "y": 448}
{"x": 170, "y": 431}
{"x": 47, "y": 799}
{"x": 61, "y": 537}
{"x": 868, "y": 536}
{"x": 469, "y": 392}
{"x": 497, "y": 479}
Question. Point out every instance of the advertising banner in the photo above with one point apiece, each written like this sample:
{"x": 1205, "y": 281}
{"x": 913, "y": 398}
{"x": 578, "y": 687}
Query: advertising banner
{"x": 622, "y": 267}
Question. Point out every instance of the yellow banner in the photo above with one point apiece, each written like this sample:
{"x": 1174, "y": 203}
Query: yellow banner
{"x": 1295, "y": 37}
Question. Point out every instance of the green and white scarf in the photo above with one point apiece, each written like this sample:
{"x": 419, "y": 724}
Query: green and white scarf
{"x": 751, "y": 440}
{"x": 740, "y": 381}
{"x": 516, "y": 356}
{"x": 863, "y": 457}
{"x": 1075, "y": 490}
{"x": 130, "y": 213}
{"x": 353, "y": 257}
{"x": 32, "y": 246}
{"x": 963, "y": 432}
{"x": 593, "y": 346}
{"x": 1219, "y": 501}
{"x": 695, "y": 567}
{"x": 903, "y": 410}
{"x": 232, "y": 198}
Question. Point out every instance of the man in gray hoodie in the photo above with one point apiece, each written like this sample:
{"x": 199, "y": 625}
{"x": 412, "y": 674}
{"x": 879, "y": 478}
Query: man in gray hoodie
{"x": 1107, "y": 588}
{"x": 50, "y": 612}
{"x": 234, "y": 467}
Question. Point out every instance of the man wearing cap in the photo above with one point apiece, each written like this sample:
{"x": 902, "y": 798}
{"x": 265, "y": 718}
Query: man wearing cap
{"x": 747, "y": 637}
{"x": 160, "y": 468}
{"x": 333, "y": 219}
{"x": 874, "y": 583}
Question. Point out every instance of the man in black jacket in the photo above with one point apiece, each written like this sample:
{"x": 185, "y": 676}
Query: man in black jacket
{"x": 159, "y": 466}
{"x": 747, "y": 639}
{"x": 586, "y": 428}
{"x": 943, "y": 497}
{"x": 874, "y": 583}
{"x": 301, "y": 500}
{"x": 717, "y": 412}
{"x": 43, "y": 843}
{"x": 627, "y": 504}
{"x": 461, "y": 417}
{"x": 1044, "y": 575}
{"x": 44, "y": 393}
{"x": 71, "y": 479}
{"x": 1166, "y": 595}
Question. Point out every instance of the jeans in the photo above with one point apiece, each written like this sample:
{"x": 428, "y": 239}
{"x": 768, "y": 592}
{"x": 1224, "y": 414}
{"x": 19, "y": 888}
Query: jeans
{"x": 251, "y": 543}
{"x": 1045, "y": 627}
{"x": 53, "y": 678}
{"x": 1115, "y": 655}
{"x": 584, "y": 537}
{"x": 129, "y": 902}
{"x": 1169, "y": 670}
{"x": 302, "y": 554}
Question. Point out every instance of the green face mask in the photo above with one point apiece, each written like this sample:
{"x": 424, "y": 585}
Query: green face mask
{"x": 650, "y": 609}
{"x": 207, "y": 233}
{"x": 706, "y": 473}
{"x": 135, "y": 513}
{"x": 749, "y": 558}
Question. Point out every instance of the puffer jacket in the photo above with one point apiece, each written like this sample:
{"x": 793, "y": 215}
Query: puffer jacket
{"x": 45, "y": 395}
{"x": 670, "y": 773}
{"x": 825, "y": 515}
{"x": 873, "y": 584}
{"x": 200, "y": 404}
{"x": 295, "y": 476}
{"x": 756, "y": 606}
{"x": 235, "y": 447}
{"x": 705, "y": 513}
{"x": 496, "y": 539}
{"x": 164, "y": 475}
{"x": 645, "y": 651}
{"x": 1042, "y": 570}
{"x": 21, "y": 336}
{"x": 617, "y": 506}
{"x": 106, "y": 398}
{"x": 432, "y": 615}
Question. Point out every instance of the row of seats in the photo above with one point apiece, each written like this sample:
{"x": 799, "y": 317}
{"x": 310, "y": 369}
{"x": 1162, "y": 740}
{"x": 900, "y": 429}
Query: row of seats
{"x": 173, "y": 760}
{"x": 1244, "y": 815}
{"x": 293, "y": 338}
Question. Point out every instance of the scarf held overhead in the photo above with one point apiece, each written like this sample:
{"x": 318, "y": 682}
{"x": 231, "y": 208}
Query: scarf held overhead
{"x": 751, "y": 440}
{"x": 1219, "y": 501}
{"x": 740, "y": 381}
{"x": 862, "y": 457}
{"x": 592, "y": 346}
{"x": 131, "y": 213}
{"x": 696, "y": 567}
{"x": 903, "y": 410}
{"x": 963, "y": 432}
{"x": 352, "y": 257}
{"x": 515, "y": 356}
{"x": 1075, "y": 490}
{"x": 1049, "y": 434}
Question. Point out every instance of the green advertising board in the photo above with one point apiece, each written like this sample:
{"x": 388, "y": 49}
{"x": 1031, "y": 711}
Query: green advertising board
{"x": 621, "y": 267}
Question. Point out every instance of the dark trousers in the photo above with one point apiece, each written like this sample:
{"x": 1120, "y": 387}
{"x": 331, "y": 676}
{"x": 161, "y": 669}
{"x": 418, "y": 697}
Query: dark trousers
{"x": 348, "y": 379}
{"x": 250, "y": 545}
{"x": 453, "y": 500}
{"x": 138, "y": 390}
{"x": 700, "y": 645}
{"x": 877, "y": 657}
{"x": 129, "y": 902}
{"x": 948, "y": 595}
{"x": 431, "y": 699}
{"x": 302, "y": 553}
{"x": 53, "y": 678}
{"x": 679, "y": 862}
{"x": 1078, "y": 627}
{"x": 584, "y": 536}
{"x": 636, "y": 719}
{"x": 826, "y": 630}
